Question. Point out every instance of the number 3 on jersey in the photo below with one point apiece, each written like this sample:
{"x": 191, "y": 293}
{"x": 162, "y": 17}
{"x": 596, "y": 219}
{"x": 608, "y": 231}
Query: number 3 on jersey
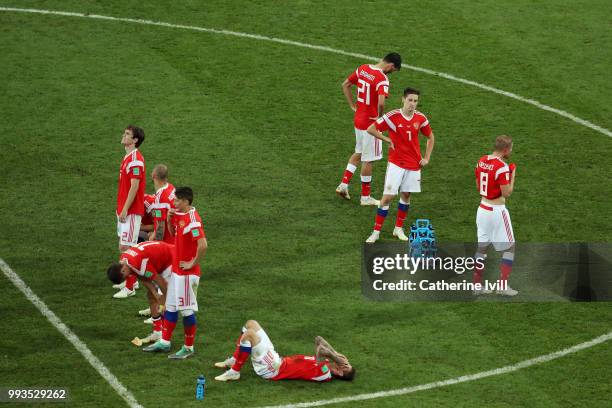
{"x": 484, "y": 181}
{"x": 363, "y": 92}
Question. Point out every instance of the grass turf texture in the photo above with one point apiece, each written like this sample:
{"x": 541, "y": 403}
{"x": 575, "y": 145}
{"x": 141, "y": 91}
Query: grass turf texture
{"x": 261, "y": 132}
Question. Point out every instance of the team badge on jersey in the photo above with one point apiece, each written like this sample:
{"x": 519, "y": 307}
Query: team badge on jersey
{"x": 416, "y": 125}
{"x": 181, "y": 223}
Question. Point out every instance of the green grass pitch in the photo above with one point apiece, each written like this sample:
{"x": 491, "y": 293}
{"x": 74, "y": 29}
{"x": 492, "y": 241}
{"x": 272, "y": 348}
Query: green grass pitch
{"x": 262, "y": 133}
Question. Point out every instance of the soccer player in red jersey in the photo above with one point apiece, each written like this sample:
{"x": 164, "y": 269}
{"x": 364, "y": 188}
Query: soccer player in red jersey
{"x": 189, "y": 248}
{"x": 164, "y": 202}
{"x": 372, "y": 90}
{"x": 268, "y": 364}
{"x": 495, "y": 182}
{"x": 150, "y": 262}
{"x": 130, "y": 196}
{"x": 405, "y": 161}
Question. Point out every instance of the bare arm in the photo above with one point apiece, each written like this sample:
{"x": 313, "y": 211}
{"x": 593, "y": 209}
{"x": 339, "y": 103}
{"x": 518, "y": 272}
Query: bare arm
{"x": 430, "y": 145}
{"x": 381, "y": 105}
{"x": 374, "y": 132}
{"x": 169, "y": 221}
{"x": 348, "y": 94}
{"x": 507, "y": 189}
{"x": 159, "y": 231}
{"x": 130, "y": 199}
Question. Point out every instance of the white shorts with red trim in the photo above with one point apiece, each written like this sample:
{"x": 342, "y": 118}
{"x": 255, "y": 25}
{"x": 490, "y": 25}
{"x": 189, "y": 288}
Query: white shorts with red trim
{"x": 369, "y": 146}
{"x": 182, "y": 292}
{"x": 399, "y": 179}
{"x": 266, "y": 361}
{"x": 494, "y": 226}
{"x": 128, "y": 231}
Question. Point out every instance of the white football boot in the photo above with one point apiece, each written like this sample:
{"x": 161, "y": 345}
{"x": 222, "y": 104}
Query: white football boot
{"x": 124, "y": 293}
{"x": 369, "y": 201}
{"x": 145, "y": 312}
{"x": 119, "y": 285}
{"x": 507, "y": 292}
{"x": 148, "y": 321}
{"x": 229, "y": 375}
{"x": 227, "y": 363}
{"x": 373, "y": 237}
{"x": 342, "y": 191}
{"x": 399, "y": 233}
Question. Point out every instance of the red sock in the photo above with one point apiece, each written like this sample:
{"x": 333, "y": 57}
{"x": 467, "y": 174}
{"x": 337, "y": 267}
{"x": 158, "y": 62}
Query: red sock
{"x": 167, "y": 329}
{"x": 242, "y": 353}
{"x": 505, "y": 269}
{"x": 402, "y": 212}
{"x": 348, "y": 175}
{"x": 157, "y": 323}
{"x": 366, "y": 183}
{"x": 381, "y": 214}
{"x": 190, "y": 332}
{"x": 130, "y": 281}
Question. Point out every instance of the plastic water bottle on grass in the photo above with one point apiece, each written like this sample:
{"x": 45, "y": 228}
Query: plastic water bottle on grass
{"x": 200, "y": 387}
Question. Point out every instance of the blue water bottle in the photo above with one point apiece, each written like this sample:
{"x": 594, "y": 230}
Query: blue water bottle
{"x": 200, "y": 387}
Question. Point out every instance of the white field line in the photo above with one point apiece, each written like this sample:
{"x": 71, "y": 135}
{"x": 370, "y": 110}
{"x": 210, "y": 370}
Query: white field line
{"x": 402, "y": 391}
{"x": 533, "y": 102}
{"x": 70, "y": 336}
{"x": 457, "y": 380}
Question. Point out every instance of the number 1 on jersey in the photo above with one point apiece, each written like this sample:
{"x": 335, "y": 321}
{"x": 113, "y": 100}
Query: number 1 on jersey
{"x": 363, "y": 92}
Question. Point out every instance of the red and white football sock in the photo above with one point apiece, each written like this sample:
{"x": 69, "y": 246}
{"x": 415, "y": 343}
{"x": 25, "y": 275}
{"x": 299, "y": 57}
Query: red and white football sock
{"x": 381, "y": 214}
{"x": 366, "y": 182}
{"x": 241, "y": 354}
{"x": 130, "y": 281}
{"x": 402, "y": 212}
{"x": 348, "y": 173}
{"x": 506, "y": 265}
{"x": 157, "y": 323}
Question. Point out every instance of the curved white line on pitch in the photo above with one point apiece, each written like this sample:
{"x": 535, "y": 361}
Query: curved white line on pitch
{"x": 464, "y": 378}
{"x": 533, "y": 102}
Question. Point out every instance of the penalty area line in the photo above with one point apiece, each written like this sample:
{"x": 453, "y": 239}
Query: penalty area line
{"x": 464, "y": 378}
{"x": 70, "y": 336}
{"x": 444, "y": 75}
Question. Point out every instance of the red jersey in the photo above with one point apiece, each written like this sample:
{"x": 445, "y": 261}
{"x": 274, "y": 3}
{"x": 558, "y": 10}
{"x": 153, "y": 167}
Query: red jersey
{"x": 302, "y": 367}
{"x": 491, "y": 173}
{"x": 149, "y": 199}
{"x": 164, "y": 201}
{"x": 372, "y": 84}
{"x": 188, "y": 230}
{"x": 404, "y": 133}
{"x": 148, "y": 259}
{"x": 132, "y": 167}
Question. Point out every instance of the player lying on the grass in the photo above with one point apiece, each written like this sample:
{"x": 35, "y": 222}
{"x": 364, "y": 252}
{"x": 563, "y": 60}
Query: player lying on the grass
{"x": 151, "y": 262}
{"x": 495, "y": 183}
{"x": 189, "y": 248}
{"x": 405, "y": 161}
{"x": 253, "y": 342}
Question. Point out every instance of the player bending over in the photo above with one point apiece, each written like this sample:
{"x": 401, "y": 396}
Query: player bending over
{"x": 405, "y": 161}
{"x": 253, "y": 342}
{"x": 151, "y": 263}
{"x": 495, "y": 182}
{"x": 372, "y": 90}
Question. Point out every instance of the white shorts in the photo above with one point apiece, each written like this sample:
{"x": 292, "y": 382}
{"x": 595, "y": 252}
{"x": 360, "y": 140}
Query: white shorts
{"x": 494, "y": 226}
{"x": 128, "y": 231}
{"x": 399, "y": 179}
{"x": 182, "y": 292}
{"x": 369, "y": 146}
{"x": 266, "y": 361}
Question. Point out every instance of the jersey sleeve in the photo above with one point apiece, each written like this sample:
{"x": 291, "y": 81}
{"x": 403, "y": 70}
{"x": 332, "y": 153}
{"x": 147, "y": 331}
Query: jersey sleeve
{"x": 425, "y": 128}
{"x": 135, "y": 169}
{"x": 502, "y": 175}
{"x": 353, "y": 77}
{"x": 382, "y": 88}
{"x": 385, "y": 123}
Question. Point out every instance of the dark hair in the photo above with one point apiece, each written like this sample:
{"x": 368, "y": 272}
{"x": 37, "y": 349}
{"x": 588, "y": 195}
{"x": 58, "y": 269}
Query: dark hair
{"x": 350, "y": 376}
{"x": 114, "y": 273}
{"x": 137, "y": 133}
{"x": 184, "y": 193}
{"x": 395, "y": 59}
{"x": 409, "y": 91}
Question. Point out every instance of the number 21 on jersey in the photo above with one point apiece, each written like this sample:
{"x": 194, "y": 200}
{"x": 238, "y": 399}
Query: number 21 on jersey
{"x": 363, "y": 92}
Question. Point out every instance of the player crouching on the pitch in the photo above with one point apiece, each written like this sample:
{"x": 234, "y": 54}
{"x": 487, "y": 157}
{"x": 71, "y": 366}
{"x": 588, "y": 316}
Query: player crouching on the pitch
{"x": 405, "y": 161}
{"x": 151, "y": 263}
{"x": 189, "y": 247}
{"x": 267, "y": 363}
